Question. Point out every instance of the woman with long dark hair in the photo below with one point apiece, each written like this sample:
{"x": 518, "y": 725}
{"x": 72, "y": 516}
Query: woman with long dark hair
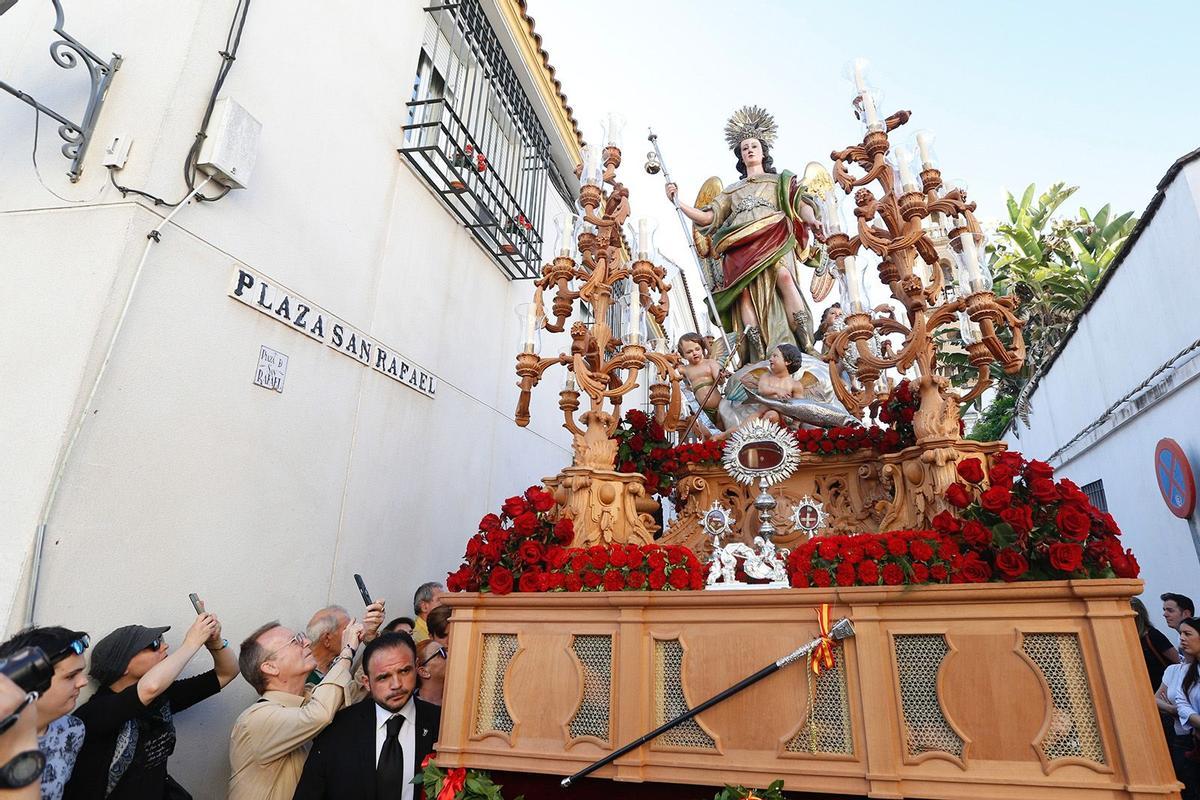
{"x": 1183, "y": 687}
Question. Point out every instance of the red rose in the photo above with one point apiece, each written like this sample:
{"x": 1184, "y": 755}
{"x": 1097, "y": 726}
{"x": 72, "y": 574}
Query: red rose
{"x": 957, "y": 496}
{"x": 1068, "y": 490}
{"x": 531, "y": 552}
{"x": 973, "y": 570}
{"x": 868, "y": 572}
{"x": 970, "y": 470}
{"x": 564, "y": 531}
{"x": 1038, "y": 469}
{"x": 1072, "y": 523}
{"x": 1126, "y": 566}
{"x": 921, "y": 550}
{"x": 976, "y": 534}
{"x": 897, "y": 546}
{"x": 636, "y": 579}
{"x": 657, "y": 579}
{"x": 1011, "y": 564}
{"x": 638, "y": 418}
{"x": 845, "y": 574}
{"x": 591, "y": 579}
{"x": 490, "y": 550}
{"x": 552, "y": 581}
{"x": 1009, "y": 460}
{"x": 513, "y": 506}
{"x": 907, "y": 414}
{"x": 539, "y": 498}
{"x": 613, "y": 581}
{"x": 489, "y": 523}
{"x": 938, "y": 572}
{"x": 573, "y": 583}
{"x": 1001, "y": 475}
{"x": 893, "y": 575}
{"x": 473, "y": 545}
{"x": 1065, "y": 556}
{"x": 946, "y": 522}
{"x": 627, "y": 466}
{"x": 1019, "y": 517}
{"x": 920, "y": 573}
{"x": 500, "y": 580}
{"x": 1043, "y": 490}
{"x": 525, "y": 524}
{"x": 996, "y": 499}
{"x": 528, "y": 581}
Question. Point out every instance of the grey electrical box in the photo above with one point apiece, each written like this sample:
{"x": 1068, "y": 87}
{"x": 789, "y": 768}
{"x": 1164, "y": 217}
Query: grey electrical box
{"x": 230, "y": 144}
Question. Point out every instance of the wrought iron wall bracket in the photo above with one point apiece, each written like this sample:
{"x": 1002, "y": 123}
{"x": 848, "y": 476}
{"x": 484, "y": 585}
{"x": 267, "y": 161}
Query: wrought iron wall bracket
{"x": 68, "y": 53}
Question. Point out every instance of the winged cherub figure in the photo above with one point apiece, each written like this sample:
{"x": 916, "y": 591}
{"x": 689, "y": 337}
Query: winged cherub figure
{"x": 758, "y": 229}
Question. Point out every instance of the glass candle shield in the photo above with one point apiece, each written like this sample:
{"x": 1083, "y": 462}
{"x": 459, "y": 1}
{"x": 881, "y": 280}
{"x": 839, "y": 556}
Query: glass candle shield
{"x": 968, "y": 330}
{"x": 612, "y": 129}
{"x": 593, "y": 165}
{"x": 924, "y": 156}
{"x": 970, "y": 259}
{"x": 852, "y": 285}
{"x": 633, "y": 317}
{"x": 566, "y": 233}
{"x": 901, "y": 160}
{"x": 643, "y": 240}
{"x": 832, "y": 211}
{"x": 530, "y": 327}
{"x": 866, "y": 100}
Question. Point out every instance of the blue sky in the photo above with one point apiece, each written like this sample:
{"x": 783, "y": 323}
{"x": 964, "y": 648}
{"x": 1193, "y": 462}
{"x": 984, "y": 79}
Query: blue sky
{"x": 1102, "y": 95}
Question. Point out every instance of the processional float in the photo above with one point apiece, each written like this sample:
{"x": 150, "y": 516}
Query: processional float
{"x": 945, "y": 691}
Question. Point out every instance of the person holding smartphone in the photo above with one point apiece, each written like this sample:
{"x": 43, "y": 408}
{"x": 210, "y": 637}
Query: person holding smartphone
{"x": 128, "y": 722}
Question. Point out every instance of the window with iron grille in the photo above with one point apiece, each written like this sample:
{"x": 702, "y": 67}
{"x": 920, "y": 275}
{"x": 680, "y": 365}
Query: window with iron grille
{"x": 473, "y": 136}
{"x": 1095, "y": 493}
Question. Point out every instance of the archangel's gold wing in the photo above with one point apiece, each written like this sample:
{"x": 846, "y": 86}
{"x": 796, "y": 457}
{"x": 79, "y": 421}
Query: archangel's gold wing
{"x": 817, "y": 181}
{"x": 711, "y": 188}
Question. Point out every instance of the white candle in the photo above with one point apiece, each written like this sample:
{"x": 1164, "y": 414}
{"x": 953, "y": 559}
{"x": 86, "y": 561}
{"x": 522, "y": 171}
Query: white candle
{"x": 923, "y": 146}
{"x": 859, "y": 83}
{"x": 635, "y": 315}
{"x": 853, "y": 289}
{"x": 907, "y": 181}
{"x": 971, "y": 259}
{"x": 530, "y": 324}
{"x": 643, "y": 232}
{"x": 869, "y": 108}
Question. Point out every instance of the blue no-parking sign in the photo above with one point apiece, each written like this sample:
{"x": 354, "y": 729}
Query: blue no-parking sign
{"x": 1174, "y": 475}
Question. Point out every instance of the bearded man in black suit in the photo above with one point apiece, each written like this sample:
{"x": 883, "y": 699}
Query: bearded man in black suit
{"x": 372, "y": 749}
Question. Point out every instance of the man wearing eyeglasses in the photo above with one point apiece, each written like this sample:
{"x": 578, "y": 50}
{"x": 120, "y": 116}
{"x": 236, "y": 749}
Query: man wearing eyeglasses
{"x": 60, "y": 735}
{"x": 270, "y": 739}
{"x": 431, "y": 669}
{"x": 128, "y": 722}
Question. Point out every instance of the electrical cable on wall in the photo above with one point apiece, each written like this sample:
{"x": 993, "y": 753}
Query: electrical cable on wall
{"x": 233, "y": 41}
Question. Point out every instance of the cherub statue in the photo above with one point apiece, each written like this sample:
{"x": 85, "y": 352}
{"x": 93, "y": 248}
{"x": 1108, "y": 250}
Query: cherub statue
{"x": 793, "y": 389}
{"x": 758, "y": 229}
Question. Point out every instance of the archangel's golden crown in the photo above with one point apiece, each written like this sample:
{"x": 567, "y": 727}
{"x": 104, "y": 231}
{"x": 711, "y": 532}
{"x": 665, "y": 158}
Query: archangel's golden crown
{"x": 751, "y": 122}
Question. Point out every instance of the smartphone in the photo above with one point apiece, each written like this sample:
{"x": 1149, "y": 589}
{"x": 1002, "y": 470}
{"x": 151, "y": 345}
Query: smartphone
{"x": 197, "y": 603}
{"x": 362, "y": 589}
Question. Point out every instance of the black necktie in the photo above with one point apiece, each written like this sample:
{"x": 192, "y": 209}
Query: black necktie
{"x": 389, "y": 774}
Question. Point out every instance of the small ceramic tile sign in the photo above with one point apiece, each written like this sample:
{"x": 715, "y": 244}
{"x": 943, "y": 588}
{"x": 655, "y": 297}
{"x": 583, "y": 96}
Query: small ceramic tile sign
{"x": 272, "y": 368}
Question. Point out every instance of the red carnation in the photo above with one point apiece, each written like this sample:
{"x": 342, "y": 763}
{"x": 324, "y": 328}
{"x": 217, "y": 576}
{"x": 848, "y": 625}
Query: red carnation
{"x": 633, "y": 556}
{"x": 636, "y": 579}
{"x": 696, "y": 581}
{"x": 513, "y": 506}
{"x": 598, "y": 557}
{"x": 868, "y": 572}
{"x": 845, "y": 574}
{"x": 921, "y": 550}
{"x": 572, "y": 583}
{"x": 1038, "y": 469}
{"x": 591, "y": 579}
{"x": 679, "y": 578}
{"x": 875, "y": 548}
{"x": 657, "y": 579}
{"x": 531, "y": 552}
{"x": 1043, "y": 490}
{"x": 920, "y": 573}
{"x": 947, "y": 549}
{"x": 897, "y": 546}
{"x": 656, "y": 560}
{"x": 946, "y": 522}
{"x": 822, "y": 578}
{"x": 500, "y": 581}
{"x": 893, "y": 575}
{"x": 1073, "y": 523}
{"x": 616, "y": 557}
{"x": 970, "y": 470}
{"x": 1011, "y": 564}
{"x": 1019, "y": 517}
{"x": 526, "y": 523}
{"x": 976, "y": 534}
{"x": 853, "y": 554}
{"x": 938, "y": 572}
{"x": 1066, "y": 556}
{"x": 489, "y": 523}
{"x": 564, "y": 531}
{"x": 540, "y": 499}
{"x": 996, "y": 499}
{"x": 827, "y": 549}
{"x": 557, "y": 557}
{"x": 613, "y": 581}
{"x": 957, "y": 496}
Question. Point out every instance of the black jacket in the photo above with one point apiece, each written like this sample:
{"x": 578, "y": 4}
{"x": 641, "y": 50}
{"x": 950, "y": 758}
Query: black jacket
{"x": 342, "y": 761}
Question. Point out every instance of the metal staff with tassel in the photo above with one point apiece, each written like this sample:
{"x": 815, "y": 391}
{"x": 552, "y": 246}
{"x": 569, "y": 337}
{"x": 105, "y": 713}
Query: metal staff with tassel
{"x": 821, "y": 650}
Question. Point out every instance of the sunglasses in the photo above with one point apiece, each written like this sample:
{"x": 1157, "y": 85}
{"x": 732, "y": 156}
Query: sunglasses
{"x": 76, "y": 647}
{"x": 441, "y": 651}
{"x": 156, "y": 645}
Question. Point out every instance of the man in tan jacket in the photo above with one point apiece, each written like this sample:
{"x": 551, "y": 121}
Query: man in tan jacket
{"x": 270, "y": 739}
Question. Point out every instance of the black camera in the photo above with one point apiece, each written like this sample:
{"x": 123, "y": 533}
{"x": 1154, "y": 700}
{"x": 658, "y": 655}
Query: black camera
{"x": 32, "y": 670}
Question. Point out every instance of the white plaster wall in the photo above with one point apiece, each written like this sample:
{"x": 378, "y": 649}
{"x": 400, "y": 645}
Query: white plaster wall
{"x": 186, "y": 477}
{"x": 1144, "y": 317}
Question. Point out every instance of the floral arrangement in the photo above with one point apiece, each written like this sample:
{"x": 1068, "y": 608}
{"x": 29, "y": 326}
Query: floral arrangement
{"x": 456, "y": 784}
{"x": 772, "y": 792}
{"x": 899, "y": 409}
{"x": 642, "y": 446}
{"x": 1026, "y": 526}
{"x": 522, "y": 549}
{"x": 872, "y": 559}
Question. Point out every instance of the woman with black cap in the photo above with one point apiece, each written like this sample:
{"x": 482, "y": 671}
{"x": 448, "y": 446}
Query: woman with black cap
{"x": 128, "y": 722}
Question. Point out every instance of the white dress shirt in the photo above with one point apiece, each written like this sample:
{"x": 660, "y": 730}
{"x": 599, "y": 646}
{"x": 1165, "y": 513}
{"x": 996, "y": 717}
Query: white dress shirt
{"x": 408, "y": 740}
{"x": 1173, "y": 680}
